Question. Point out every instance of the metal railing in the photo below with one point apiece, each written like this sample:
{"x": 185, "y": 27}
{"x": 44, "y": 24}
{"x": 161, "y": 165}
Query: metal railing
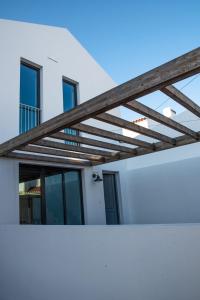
{"x": 29, "y": 117}
{"x": 71, "y": 131}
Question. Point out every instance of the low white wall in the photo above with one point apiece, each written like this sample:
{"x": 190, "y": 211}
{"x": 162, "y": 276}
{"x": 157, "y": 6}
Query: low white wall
{"x": 149, "y": 262}
{"x": 9, "y": 187}
{"x": 166, "y": 193}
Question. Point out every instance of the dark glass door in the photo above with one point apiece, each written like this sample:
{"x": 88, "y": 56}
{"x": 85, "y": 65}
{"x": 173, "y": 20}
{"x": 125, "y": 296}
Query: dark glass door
{"x": 73, "y": 197}
{"x": 111, "y": 199}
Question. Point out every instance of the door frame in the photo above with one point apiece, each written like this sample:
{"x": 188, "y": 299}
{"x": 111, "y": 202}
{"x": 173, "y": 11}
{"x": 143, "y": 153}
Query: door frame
{"x": 118, "y": 193}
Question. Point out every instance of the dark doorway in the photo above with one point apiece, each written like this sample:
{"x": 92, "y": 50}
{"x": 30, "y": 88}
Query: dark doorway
{"x": 111, "y": 198}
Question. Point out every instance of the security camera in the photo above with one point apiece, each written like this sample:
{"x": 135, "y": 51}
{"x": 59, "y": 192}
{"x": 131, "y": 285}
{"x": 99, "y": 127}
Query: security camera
{"x": 96, "y": 177}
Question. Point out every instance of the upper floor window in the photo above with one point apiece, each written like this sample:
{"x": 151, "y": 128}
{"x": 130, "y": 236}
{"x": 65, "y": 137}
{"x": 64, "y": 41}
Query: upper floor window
{"x": 69, "y": 102}
{"x": 29, "y": 97}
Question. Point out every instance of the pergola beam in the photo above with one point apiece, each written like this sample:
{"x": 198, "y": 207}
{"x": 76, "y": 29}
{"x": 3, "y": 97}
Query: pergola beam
{"x": 111, "y": 135}
{"x": 91, "y": 142}
{"x": 182, "y": 99}
{"x": 108, "y": 118}
{"x": 182, "y": 140}
{"x": 62, "y": 146}
{"x": 62, "y": 153}
{"x": 177, "y": 69}
{"x": 156, "y": 116}
{"x": 48, "y": 159}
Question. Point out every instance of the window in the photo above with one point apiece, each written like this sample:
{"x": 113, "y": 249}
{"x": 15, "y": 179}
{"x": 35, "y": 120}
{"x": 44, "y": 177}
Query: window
{"x": 29, "y": 97}
{"x": 69, "y": 102}
{"x": 50, "y": 195}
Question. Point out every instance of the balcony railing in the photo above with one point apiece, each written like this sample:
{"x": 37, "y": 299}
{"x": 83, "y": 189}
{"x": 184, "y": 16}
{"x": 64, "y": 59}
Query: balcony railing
{"x": 29, "y": 117}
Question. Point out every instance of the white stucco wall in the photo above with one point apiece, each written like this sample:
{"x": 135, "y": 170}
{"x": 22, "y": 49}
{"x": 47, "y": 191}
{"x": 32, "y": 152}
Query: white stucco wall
{"x": 9, "y": 200}
{"x": 100, "y": 262}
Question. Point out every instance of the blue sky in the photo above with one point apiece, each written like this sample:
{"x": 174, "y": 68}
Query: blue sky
{"x": 126, "y": 37}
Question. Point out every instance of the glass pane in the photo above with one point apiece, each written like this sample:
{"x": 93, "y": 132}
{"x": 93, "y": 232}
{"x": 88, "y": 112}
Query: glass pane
{"x": 73, "y": 196}
{"x": 69, "y": 96}
{"x": 30, "y": 202}
{"x": 54, "y": 199}
{"x": 29, "y": 86}
{"x": 110, "y": 196}
{"x": 69, "y": 102}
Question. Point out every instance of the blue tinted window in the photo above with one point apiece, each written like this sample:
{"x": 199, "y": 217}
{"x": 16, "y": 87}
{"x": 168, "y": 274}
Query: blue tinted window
{"x": 69, "y": 96}
{"x": 69, "y": 102}
{"x": 29, "y": 86}
{"x": 29, "y": 98}
{"x": 73, "y": 198}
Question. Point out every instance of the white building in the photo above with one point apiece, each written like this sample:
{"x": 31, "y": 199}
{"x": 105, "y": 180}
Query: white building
{"x": 45, "y": 71}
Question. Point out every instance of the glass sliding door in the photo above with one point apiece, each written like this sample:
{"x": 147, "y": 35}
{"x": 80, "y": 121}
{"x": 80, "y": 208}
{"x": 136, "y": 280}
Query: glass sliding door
{"x": 54, "y": 199}
{"x": 73, "y": 198}
{"x": 29, "y": 97}
{"x": 50, "y": 195}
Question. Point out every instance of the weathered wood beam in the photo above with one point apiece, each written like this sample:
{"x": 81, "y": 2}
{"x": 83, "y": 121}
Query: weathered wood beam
{"x": 177, "y": 69}
{"x": 105, "y": 117}
{"x": 182, "y": 99}
{"x": 63, "y": 153}
{"x": 62, "y": 146}
{"x": 48, "y": 159}
{"x": 156, "y": 116}
{"x": 182, "y": 140}
{"x": 91, "y": 142}
{"x": 111, "y": 135}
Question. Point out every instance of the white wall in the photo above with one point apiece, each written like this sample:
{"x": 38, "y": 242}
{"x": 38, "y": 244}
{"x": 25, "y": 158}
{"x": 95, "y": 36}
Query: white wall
{"x": 98, "y": 262}
{"x": 166, "y": 193}
{"x": 9, "y": 200}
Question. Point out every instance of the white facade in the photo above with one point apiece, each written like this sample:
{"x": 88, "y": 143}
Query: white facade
{"x": 157, "y": 262}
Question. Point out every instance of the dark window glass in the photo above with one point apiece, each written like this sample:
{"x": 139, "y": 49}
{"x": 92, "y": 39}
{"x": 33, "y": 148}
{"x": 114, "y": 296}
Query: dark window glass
{"x": 111, "y": 200}
{"x": 73, "y": 198}
{"x": 29, "y": 98}
{"x": 69, "y": 102}
{"x": 29, "y": 81}
{"x": 54, "y": 200}
{"x": 69, "y": 96}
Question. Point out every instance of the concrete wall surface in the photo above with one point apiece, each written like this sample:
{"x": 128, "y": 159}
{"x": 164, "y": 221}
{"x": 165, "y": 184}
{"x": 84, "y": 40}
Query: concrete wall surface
{"x": 142, "y": 262}
{"x": 165, "y": 193}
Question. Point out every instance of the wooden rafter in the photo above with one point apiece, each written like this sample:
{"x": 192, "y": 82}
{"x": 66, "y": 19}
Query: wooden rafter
{"x": 92, "y": 142}
{"x": 182, "y": 99}
{"x": 108, "y": 118}
{"x": 156, "y": 116}
{"x": 62, "y": 153}
{"x": 111, "y": 135}
{"x": 48, "y": 159}
{"x": 62, "y": 146}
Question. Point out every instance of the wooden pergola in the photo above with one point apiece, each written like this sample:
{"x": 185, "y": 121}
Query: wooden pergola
{"x": 45, "y": 142}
